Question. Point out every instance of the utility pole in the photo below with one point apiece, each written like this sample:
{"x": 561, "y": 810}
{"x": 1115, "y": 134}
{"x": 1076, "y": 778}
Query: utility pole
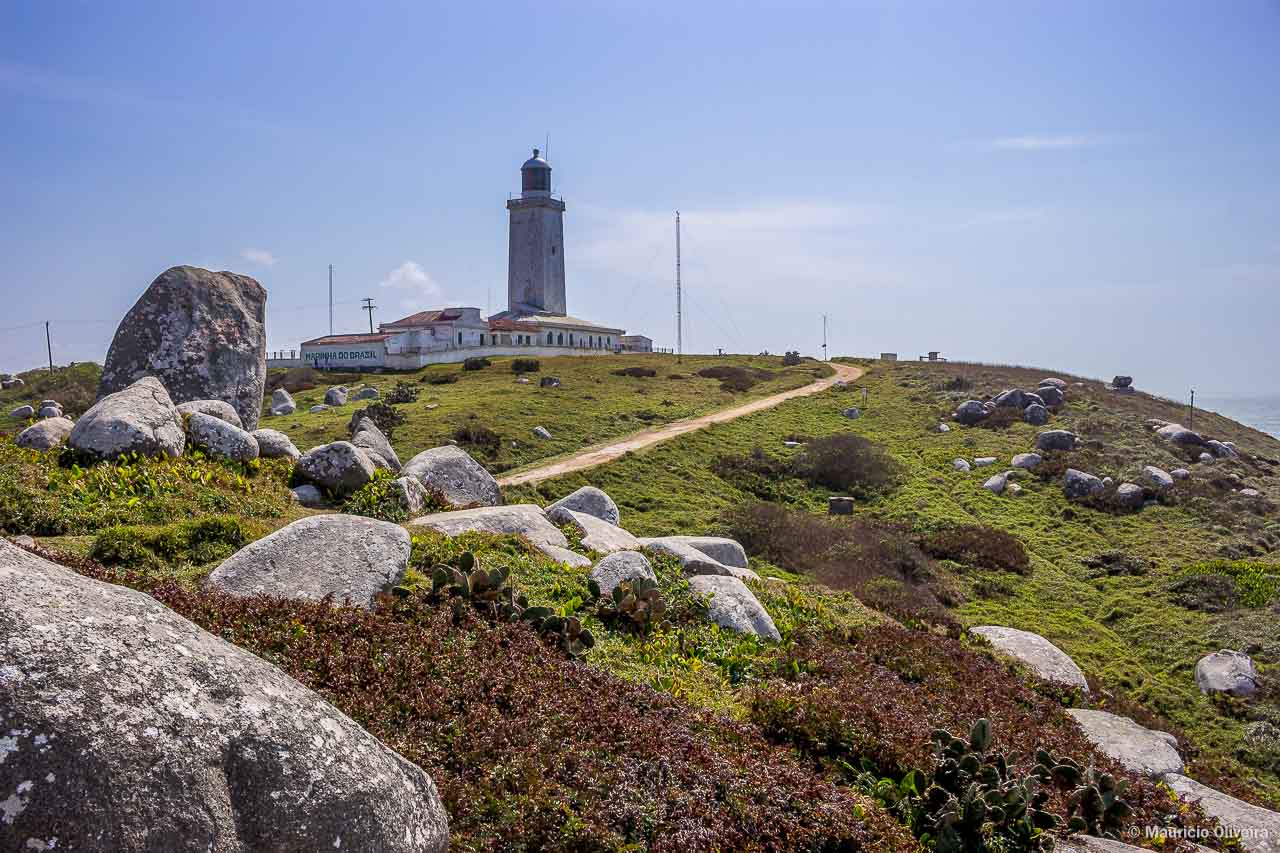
{"x": 331, "y": 299}
{"x": 679, "y": 299}
{"x": 369, "y": 306}
{"x": 48, "y": 345}
{"x": 824, "y": 337}
{"x": 1191, "y": 421}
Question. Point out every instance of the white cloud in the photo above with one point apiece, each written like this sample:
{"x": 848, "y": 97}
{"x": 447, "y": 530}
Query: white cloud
{"x": 1035, "y": 142}
{"x": 259, "y": 256}
{"x": 421, "y": 290}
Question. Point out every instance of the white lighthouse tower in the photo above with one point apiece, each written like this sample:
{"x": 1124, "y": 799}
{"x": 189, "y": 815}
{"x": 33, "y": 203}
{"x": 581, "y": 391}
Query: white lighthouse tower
{"x": 535, "y": 258}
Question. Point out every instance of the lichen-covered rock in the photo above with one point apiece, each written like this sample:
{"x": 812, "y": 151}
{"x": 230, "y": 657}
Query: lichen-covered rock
{"x": 453, "y": 475}
{"x": 340, "y": 467}
{"x": 318, "y": 408}
{"x": 282, "y": 403}
{"x": 1227, "y": 672}
{"x": 309, "y": 496}
{"x": 1078, "y": 484}
{"x": 541, "y": 432}
{"x": 1257, "y": 828}
{"x": 139, "y": 419}
{"x": 336, "y": 396}
{"x": 348, "y": 557}
{"x": 216, "y": 408}
{"x": 1180, "y": 474}
{"x": 1043, "y": 657}
{"x": 1159, "y": 479}
{"x": 695, "y": 561}
{"x": 50, "y": 412}
{"x": 621, "y": 566}
{"x": 592, "y": 501}
{"x": 961, "y": 465}
{"x": 410, "y": 493}
{"x": 984, "y": 461}
{"x": 1035, "y": 414}
{"x": 129, "y": 730}
{"x": 202, "y": 334}
{"x": 720, "y": 548}
{"x": 1027, "y": 461}
{"x": 46, "y": 434}
{"x": 596, "y": 535}
{"x": 273, "y": 444}
{"x": 370, "y": 439}
{"x": 525, "y": 520}
{"x": 1222, "y": 449}
{"x": 734, "y": 607}
{"x": 996, "y": 483}
{"x": 22, "y": 413}
{"x": 1141, "y": 750}
{"x": 971, "y": 412}
{"x": 1130, "y": 495}
{"x": 220, "y": 438}
{"x": 1012, "y": 399}
{"x": 1052, "y": 397}
{"x": 1056, "y": 439}
{"x": 1178, "y": 434}
{"x": 367, "y": 393}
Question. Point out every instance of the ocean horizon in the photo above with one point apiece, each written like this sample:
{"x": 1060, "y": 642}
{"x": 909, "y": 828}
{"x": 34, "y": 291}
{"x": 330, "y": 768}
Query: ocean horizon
{"x": 1262, "y": 412}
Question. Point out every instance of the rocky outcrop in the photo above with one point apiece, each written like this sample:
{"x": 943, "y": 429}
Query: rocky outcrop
{"x": 215, "y": 408}
{"x": 733, "y": 606}
{"x": 597, "y": 535}
{"x": 695, "y": 561}
{"x": 525, "y": 520}
{"x": 619, "y": 567}
{"x": 220, "y": 438}
{"x": 273, "y": 444}
{"x": 592, "y": 501}
{"x": 1227, "y": 672}
{"x": 970, "y": 412}
{"x": 130, "y": 729}
{"x": 139, "y": 419}
{"x": 46, "y": 434}
{"x": 202, "y": 334}
{"x": 340, "y": 467}
{"x": 1257, "y": 828}
{"x": 1043, "y": 658}
{"x": 348, "y": 557}
{"x": 1140, "y": 750}
{"x": 370, "y": 439}
{"x": 453, "y": 475}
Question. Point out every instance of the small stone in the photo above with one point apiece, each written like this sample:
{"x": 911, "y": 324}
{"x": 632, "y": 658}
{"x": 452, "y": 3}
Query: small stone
{"x": 1130, "y": 495}
{"x": 1159, "y": 479}
{"x": 943, "y": 428}
{"x": 852, "y": 413}
{"x": 1250, "y": 493}
{"x": 317, "y": 408}
{"x": 542, "y": 432}
{"x": 1027, "y": 461}
{"x": 961, "y": 465}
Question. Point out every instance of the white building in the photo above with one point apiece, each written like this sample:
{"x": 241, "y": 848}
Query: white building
{"x": 536, "y": 322}
{"x": 635, "y": 343}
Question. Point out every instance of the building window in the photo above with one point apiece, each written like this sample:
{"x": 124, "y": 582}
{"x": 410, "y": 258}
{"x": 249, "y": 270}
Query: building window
{"x": 571, "y": 339}
{"x": 459, "y": 338}
{"x": 560, "y": 339}
{"x": 548, "y": 338}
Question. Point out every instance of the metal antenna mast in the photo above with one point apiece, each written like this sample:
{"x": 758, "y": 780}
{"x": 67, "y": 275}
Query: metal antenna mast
{"x": 369, "y": 306}
{"x": 679, "y": 299}
{"x": 331, "y": 299}
{"x": 824, "y": 337}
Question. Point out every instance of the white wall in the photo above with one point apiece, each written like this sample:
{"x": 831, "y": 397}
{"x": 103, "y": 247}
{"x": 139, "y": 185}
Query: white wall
{"x": 412, "y": 362}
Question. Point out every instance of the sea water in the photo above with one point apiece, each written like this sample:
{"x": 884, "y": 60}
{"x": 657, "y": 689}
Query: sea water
{"x": 1260, "y": 412}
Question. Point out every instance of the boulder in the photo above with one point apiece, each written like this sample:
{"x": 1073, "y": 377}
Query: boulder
{"x": 970, "y": 412}
{"x": 453, "y": 475}
{"x": 1219, "y": 449}
{"x": 220, "y": 438}
{"x": 1027, "y": 461}
{"x": 1159, "y": 479}
{"x": 549, "y": 382}
{"x": 541, "y": 432}
{"x": 961, "y": 465}
{"x": 596, "y": 535}
{"x": 15, "y": 382}
{"x": 1257, "y": 828}
{"x": 996, "y": 483}
{"x": 721, "y": 548}
{"x": 984, "y": 461}
{"x": 340, "y": 467}
{"x": 370, "y": 439}
{"x": 525, "y": 520}
{"x": 50, "y": 412}
{"x": 410, "y": 493}
{"x": 592, "y": 501}
{"x": 202, "y": 334}
{"x": 309, "y": 496}
{"x": 852, "y": 413}
{"x": 1035, "y": 414}
{"x": 1250, "y": 493}
{"x": 131, "y": 729}
{"x": 1122, "y": 382}
{"x": 1051, "y": 397}
{"x": 1227, "y": 672}
{"x": 694, "y": 561}
{"x": 1130, "y": 496}
{"x": 348, "y": 557}
{"x": 22, "y": 413}
{"x": 1052, "y": 382}
{"x": 565, "y": 555}
{"x": 943, "y": 428}
{"x": 336, "y": 396}
{"x": 734, "y": 607}
{"x": 1078, "y": 484}
{"x": 1178, "y": 434}
{"x": 1205, "y": 458}
{"x": 318, "y": 408}
{"x": 282, "y": 403}
{"x": 1013, "y": 399}
{"x": 54, "y": 403}
{"x": 619, "y": 567}
{"x": 217, "y": 408}
{"x": 1012, "y": 489}
{"x": 1044, "y": 658}
{"x": 1180, "y": 474}
{"x": 139, "y": 419}
{"x": 1056, "y": 439}
{"x": 1138, "y": 749}
{"x": 367, "y": 393}
{"x": 46, "y": 434}
{"x": 273, "y": 444}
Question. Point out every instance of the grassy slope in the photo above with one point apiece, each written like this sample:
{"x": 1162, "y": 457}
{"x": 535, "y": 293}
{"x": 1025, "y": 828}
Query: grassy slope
{"x": 1124, "y": 632}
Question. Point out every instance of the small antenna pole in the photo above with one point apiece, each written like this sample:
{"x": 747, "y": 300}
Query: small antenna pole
{"x": 369, "y": 306}
{"x": 824, "y": 337}
{"x": 679, "y": 299}
{"x": 330, "y": 299}
{"x": 48, "y": 345}
{"x": 1191, "y": 421}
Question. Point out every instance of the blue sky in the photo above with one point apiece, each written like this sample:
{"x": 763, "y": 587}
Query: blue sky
{"x": 1090, "y": 186}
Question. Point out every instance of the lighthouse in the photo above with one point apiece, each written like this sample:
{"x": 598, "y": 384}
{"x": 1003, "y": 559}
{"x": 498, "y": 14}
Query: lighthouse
{"x": 535, "y": 254}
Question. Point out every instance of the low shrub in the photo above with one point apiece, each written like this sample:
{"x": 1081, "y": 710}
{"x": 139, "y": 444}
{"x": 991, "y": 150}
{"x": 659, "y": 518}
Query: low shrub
{"x": 1256, "y": 584}
{"x": 848, "y": 463}
{"x": 385, "y": 416}
{"x": 638, "y": 372}
{"x": 1001, "y": 419}
{"x": 957, "y": 383}
{"x": 476, "y": 363}
{"x": 377, "y": 498}
{"x": 736, "y": 379}
{"x": 404, "y": 392}
{"x": 759, "y": 474}
{"x": 1212, "y": 593}
{"x": 1115, "y": 563}
{"x": 978, "y": 545}
{"x": 792, "y": 358}
{"x": 525, "y": 365}
{"x": 439, "y": 378}
{"x": 479, "y": 437}
{"x": 196, "y": 542}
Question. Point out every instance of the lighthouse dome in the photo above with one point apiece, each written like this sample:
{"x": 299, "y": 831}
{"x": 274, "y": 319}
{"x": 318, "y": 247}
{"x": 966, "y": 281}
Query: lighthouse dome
{"x": 535, "y": 175}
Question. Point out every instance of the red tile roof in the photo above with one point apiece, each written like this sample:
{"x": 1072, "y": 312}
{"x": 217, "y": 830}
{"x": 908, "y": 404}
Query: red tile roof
{"x": 330, "y": 340}
{"x": 512, "y": 326}
{"x": 426, "y": 318}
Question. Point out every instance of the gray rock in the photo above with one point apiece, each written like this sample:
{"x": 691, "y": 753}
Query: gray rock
{"x": 621, "y": 566}
{"x": 1052, "y": 382}
{"x": 1130, "y": 495}
{"x": 596, "y": 535}
{"x": 1051, "y": 396}
{"x": 996, "y": 483}
{"x": 960, "y": 465}
{"x": 309, "y": 496}
{"x": 1140, "y": 750}
{"x": 1043, "y": 657}
{"x": 282, "y": 403}
{"x": 50, "y": 412}
{"x": 1205, "y": 458}
{"x": 1012, "y": 489}
{"x": 1222, "y": 450}
{"x": 370, "y": 439}
{"x": 1178, "y": 434}
{"x": 1159, "y": 479}
{"x": 1257, "y": 828}
{"x": 336, "y": 396}
{"x": 22, "y": 413}
{"x": 273, "y": 444}
{"x": 340, "y": 467}
{"x": 454, "y": 476}
{"x": 318, "y": 408}
{"x": 720, "y": 548}
{"x": 1027, "y": 461}
{"x": 1180, "y": 474}
{"x": 1122, "y": 382}
{"x": 202, "y": 334}
{"x": 46, "y": 434}
{"x": 217, "y": 408}
{"x": 970, "y": 412}
{"x": 566, "y": 556}
{"x": 1056, "y": 439}
{"x": 132, "y": 729}
{"x": 1093, "y": 844}
{"x": 12, "y": 383}
{"x": 1013, "y": 399}
{"x": 525, "y": 520}
{"x": 410, "y": 493}
{"x": 943, "y": 428}
{"x": 592, "y": 501}
{"x": 549, "y": 382}
{"x": 141, "y": 418}
{"x": 852, "y": 413}
{"x": 348, "y": 557}
{"x": 542, "y": 432}
{"x": 694, "y": 561}
{"x": 1078, "y": 484}
{"x": 984, "y": 461}
{"x": 23, "y": 541}
{"x": 1227, "y": 672}
{"x": 367, "y": 393}
{"x": 1250, "y": 493}
{"x": 734, "y": 607}
{"x": 54, "y": 403}
{"x": 220, "y": 438}
{"x": 1107, "y": 482}
{"x": 1035, "y": 414}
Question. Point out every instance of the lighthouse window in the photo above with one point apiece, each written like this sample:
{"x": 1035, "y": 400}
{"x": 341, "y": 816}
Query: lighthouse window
{"x": 553, "y": 251}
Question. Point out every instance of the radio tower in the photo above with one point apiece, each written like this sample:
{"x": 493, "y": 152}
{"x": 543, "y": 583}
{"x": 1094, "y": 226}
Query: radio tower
{"x": 679, "y": 299}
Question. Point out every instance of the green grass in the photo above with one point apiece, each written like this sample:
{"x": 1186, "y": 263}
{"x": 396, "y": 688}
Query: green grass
{"x": 75, "y": 387}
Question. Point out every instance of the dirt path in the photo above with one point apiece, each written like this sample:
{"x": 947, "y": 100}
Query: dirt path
{"x": 600, "y": 454}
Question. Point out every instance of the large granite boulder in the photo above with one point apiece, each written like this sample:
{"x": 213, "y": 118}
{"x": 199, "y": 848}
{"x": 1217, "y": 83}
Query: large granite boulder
{"x": 1159, "y": 479}
{"x": 1227, "y": 672}
{"x": 131, "y": 730}
{"x": 50, "y": 411}
{"x": 453, "y": 475}
{"x": 618, "y": 567}
{"x": 336, "y": 396}
{"x": 1138, "y": 749}
{"x": 1130, "y": 495}
{"x": 592, "y": 501}
{"x": 1257, "y": 828}
{"x": 734, "y": 607}
{"x": 410, "y": 493}
{"x": 217, "y": 408}
{"x": 1052, "y": 382}
{"x": 282, "y": 403}
{"x": 525, "y": 520}
{"x": 370, "y": 439}
{"x": 1180, "y": 435}
{"x": 220, "y": 438}
{"x": 46, "y": 434}
{"x": 1043, "y": 657}
{"x": 1078, "y": 484}
{"x": 971, "y": 412}
{"x": 720, "y": 548}
{"x": 273, "y": 444}
{"x": 1035, "y": 414}
{"x": 1052, "y": 396}
{"x": 1012, "y": 399}
{"x": 694, "y": 561}
{"x": 22, "y": 413}
{"x": 1027, "y": 461}
{"x": 348, "y": 557}
{"x": 340, "y": 467}
{"x": 202, "y": 334}
{"x": 141, "y": 418}
{"x": 596, "y": 535}
{"x": 1056, "y": 439}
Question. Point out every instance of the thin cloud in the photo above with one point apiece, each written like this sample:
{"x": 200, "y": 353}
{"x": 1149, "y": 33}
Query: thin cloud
{"x": 259, "y": 256}
{"x": 1034, "y": 142}
{"x": 421, "y": 290}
